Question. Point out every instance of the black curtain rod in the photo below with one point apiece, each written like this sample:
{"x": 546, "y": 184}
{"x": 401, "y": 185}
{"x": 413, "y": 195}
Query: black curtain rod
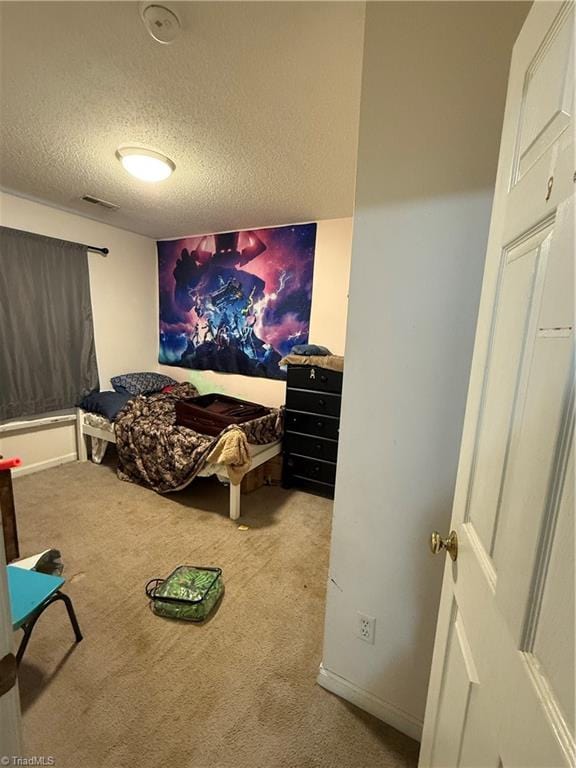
{"x": 103, "y": 251}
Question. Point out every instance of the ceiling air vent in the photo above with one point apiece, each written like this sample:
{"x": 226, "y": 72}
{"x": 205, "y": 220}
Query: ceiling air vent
{"x": 101, "y": 203}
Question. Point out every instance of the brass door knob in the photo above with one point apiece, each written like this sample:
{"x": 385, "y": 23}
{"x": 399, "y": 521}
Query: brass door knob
{"x": 437, "y": 543}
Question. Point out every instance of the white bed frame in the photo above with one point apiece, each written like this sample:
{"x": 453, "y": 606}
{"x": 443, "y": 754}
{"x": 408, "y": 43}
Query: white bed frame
{"x": 259, "y": 454}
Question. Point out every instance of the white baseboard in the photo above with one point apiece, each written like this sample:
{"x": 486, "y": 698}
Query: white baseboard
{"x": 381, "y": 709}
{"x": 28, "y": 469}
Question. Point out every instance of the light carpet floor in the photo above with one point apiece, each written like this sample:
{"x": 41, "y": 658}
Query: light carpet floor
{"x": 237, "y": 692}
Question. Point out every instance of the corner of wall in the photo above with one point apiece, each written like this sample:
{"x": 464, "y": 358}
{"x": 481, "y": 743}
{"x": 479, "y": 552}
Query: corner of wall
{"x": 383, "y": 710}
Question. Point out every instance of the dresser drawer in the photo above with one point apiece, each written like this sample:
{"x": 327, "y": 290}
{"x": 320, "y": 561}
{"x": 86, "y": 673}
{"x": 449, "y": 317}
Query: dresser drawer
{"x": 311, "y": 469}
{"x": 320, "y": 489}
{"x": 315, "y": 447}
{"x": 313, "y": 402}
{"x": 310, "y": 377}
{"x": 310, "y": 424}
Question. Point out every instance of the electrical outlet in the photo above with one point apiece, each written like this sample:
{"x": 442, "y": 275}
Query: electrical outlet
{"x": 366, "y": 628}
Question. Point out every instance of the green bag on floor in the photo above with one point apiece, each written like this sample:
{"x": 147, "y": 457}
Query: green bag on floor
{"x": 190, "y": 592}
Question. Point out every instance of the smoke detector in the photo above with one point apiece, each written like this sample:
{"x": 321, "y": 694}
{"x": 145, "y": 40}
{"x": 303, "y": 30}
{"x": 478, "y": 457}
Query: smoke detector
{"x": 161, "y": 23}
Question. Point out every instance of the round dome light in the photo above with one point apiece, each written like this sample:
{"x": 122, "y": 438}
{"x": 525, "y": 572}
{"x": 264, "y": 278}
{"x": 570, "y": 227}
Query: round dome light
{"x": 145, "y": 164}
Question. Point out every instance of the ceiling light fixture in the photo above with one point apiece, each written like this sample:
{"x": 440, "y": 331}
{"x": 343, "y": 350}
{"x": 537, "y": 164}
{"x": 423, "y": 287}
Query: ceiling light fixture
{"x": 145, "y": 164}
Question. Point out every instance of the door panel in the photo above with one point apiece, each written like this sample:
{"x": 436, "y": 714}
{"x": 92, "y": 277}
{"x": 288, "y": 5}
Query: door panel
{"x": 478, "y": 742}
{"x": 558, "y": 300}
{"x": 528, "y": 518}
{"x": 513, "y": 314}
{"x": 508, "y": 600}
{"x": 548, "y": 99}
{"x": 458, "y": 684}
{"x": 553, "y": 629}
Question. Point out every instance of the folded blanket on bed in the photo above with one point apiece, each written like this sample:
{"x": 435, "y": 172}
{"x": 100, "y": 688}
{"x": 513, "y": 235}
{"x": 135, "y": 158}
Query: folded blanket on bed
{"x": 232, "y": 450}
{"x": 333, "y": 362}
{"x": 155, "y": 452}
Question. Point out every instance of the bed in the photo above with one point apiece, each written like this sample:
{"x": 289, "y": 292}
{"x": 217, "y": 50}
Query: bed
{"x": 95, "y": 431}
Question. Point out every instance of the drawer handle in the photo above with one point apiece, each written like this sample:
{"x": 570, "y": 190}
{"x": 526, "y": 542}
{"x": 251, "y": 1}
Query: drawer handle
{"x": 319, "y": 447}
{"x": 320, "y": 424}
{"x": 324, "y": 379}
{"x": 316, "y": 469}
{"x": 322, "y": 402}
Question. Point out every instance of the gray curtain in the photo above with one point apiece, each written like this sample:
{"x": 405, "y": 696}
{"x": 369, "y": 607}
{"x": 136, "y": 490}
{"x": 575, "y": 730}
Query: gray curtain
{"x": 47, "y": 354}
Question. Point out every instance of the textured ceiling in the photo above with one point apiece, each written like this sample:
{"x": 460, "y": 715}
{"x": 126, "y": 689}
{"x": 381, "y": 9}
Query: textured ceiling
{"x": 257, "y": 104}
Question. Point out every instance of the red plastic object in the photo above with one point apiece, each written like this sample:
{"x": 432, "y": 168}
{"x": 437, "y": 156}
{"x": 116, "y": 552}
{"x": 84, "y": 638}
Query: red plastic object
{"x": 10, "y": 463}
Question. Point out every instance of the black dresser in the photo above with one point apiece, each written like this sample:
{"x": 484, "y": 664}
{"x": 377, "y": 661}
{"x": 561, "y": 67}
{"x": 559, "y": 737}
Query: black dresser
{"x": 312, "y": 422}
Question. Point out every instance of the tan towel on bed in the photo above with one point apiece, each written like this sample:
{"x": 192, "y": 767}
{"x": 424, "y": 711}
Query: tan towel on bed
{"x": 334, "y": 362}
{"x": 232, "y": 450}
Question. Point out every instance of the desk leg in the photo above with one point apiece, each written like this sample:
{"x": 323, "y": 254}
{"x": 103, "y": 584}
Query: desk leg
{"x": 29, "y": 626}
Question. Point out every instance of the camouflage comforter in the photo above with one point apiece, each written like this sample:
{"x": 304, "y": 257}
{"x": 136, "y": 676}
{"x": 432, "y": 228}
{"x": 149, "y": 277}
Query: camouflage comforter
{"x": 153, "y": 451}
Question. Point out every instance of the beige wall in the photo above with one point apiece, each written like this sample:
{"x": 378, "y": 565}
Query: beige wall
{"x": 124, "y": 299}
{"x": 433, "y": 91}
{"x": 327, "y": 321}
{"x": 124, "y": 290}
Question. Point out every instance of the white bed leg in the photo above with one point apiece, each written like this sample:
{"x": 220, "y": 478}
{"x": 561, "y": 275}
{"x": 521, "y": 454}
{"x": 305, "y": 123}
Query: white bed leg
{"x": 98, "y": 449}
{"x": 81, "y": 444}
{"x": 234, "y": 502}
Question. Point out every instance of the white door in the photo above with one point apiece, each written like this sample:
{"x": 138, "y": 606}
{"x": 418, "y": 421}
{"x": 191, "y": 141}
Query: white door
{"x": 10, "y": 745}
{"x": 502, "y": 684}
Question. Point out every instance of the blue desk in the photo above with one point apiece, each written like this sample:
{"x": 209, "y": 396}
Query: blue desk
{"x": 30, "y": 594}
{"x": 28, "y": 590}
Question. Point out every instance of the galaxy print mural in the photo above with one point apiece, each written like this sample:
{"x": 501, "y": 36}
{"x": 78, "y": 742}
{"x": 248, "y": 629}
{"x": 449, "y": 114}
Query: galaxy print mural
{"x": 236, "y": 302}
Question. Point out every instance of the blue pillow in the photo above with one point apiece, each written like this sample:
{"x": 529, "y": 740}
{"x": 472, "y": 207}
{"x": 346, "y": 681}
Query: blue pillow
{"x": 141, "y": 383}
{"x": 310, "y": 349}
{"x": 107, "y": 404}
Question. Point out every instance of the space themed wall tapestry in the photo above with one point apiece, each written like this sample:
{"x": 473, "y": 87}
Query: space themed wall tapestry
{"x": 236, "y": 302}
